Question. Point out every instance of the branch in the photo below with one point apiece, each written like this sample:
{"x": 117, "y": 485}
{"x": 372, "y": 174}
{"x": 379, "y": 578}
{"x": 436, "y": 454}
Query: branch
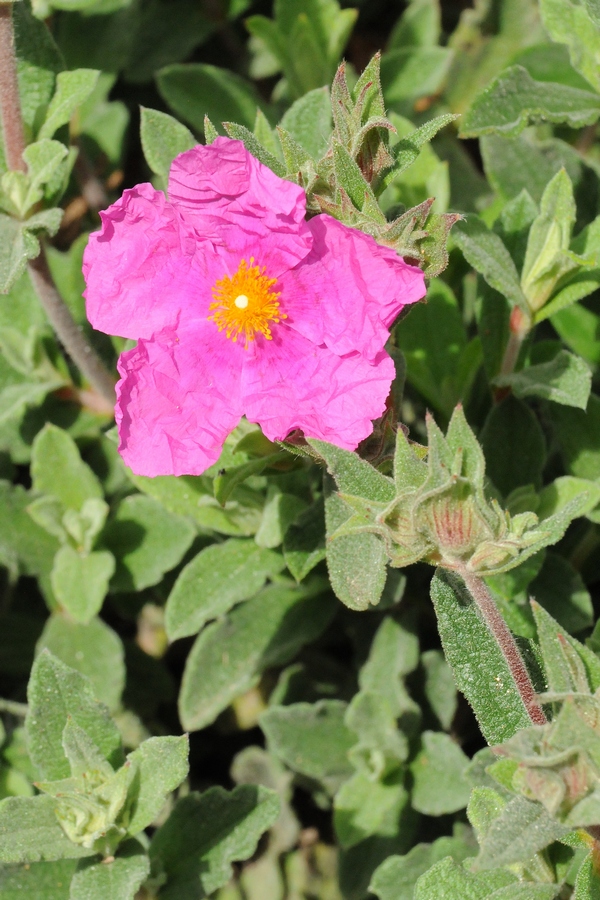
{"x": 69, "y": 333}
{"x": 67, "y": 330}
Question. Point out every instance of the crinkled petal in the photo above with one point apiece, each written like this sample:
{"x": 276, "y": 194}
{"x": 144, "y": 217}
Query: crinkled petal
{"x": 291, "y": 383}
{"x": 223, "y": 184}
{"x": 348, "y": 290}
{"x": 137, "y": 266}
{"x": 178, "y": 399}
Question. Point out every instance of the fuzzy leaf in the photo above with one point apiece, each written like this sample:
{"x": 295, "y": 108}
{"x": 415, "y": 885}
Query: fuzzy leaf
{"x": 206, "y": 833}
{"x": 163, "y": 138}
{"x": 229, "y": 655}
{"x": 29, "y": 832}
{"x": 566, "y": 379}
{"x": 72, "y": 89}
{"x": 162, "y": 763}
{"x": 218, "y": 578}
{"x": 56, "y": 692}
{"x": 479, "y": 668}
{"x": 484, "y": 250}
{"x": 311, "y": 739}
{"x": 514, "y": 100}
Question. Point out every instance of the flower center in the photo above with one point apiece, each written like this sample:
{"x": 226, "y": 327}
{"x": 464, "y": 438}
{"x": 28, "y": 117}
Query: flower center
{"x": 244, "y": 303}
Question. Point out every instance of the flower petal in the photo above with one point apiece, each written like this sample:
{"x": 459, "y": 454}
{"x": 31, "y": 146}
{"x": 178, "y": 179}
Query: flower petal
{"x": 178, "y": 399}
{"x": 136, "y": 266}
{"x": 223, "y": 183}
{"x": 291, "y": 383}
{"x": 348, "y": 290}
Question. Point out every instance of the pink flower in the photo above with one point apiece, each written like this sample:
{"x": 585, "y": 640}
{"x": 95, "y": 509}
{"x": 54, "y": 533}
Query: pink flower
{"x": 240, "y": 307}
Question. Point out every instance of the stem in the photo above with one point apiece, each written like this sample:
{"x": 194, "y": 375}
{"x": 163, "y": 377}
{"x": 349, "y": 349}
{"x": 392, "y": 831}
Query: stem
{"x": 519, "y": 326}
{"x": 59, "y": 314}
{"x": 506, "y": 642}
{"x": 10, "y": 103}
{"x": 14, "y": 708}
{"x": 68, "y": 332}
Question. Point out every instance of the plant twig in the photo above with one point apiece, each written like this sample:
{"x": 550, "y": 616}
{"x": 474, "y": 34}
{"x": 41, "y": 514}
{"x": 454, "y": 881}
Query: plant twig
{"x": 506, "y": 642}
{"x": 67, "y": 330}
{"x": 519, "y": 327}
{"x": 10, "y": 103}
{"x": 14, "y": 708}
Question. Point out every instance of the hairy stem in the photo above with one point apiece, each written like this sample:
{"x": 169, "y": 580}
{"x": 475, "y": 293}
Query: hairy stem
{"x": 519, "y": 326}
{"x": 506, "y": 642}
{"x": 68, "y": 332}
{"x": 10, "y": 103}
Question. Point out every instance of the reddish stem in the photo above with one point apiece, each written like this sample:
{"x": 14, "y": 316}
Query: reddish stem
{"x": 10, "y": 103}
{"x": 506, "y": 642}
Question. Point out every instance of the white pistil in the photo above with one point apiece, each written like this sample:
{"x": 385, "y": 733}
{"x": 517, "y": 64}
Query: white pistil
{"x": 241, "y": 301}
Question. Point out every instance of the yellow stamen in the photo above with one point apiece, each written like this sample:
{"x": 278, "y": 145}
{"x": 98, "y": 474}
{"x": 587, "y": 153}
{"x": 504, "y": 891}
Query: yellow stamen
{"x": 244, "y": 303}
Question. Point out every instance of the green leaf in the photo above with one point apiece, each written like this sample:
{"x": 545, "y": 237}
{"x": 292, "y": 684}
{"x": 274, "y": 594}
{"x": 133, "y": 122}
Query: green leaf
{"x": 218, "y": 578}
{"x": 394, "y": 653}
{"x": 227, "y": 480}
{"x": 56, "y": 692}
{"x": 433, "y": 339}
{"x": 94, "y": 650}
{"x": 485, "y": 251}
{"x": 119, "y": 878}
{"x": 418, "y": 26}
{"x": 23, "y": 543}
{"x": 17, "y": 246}
{"x": 448, "y": 880}
{"x": 566, "y": 379}
{"x": 312, "y": 739}
{"x": 72, "y": 89}
{"x": 206, "y": 833}
{"x": 395, "y": 879}
{"x": 80, "y": 582}
{"x": 37, "y": 881}
{"x": 196, "y": 90}
{"x": 354, "y": 475}
{"x": 562, "y": 491}
{"x": 364, "y": 807}
{"x": 304, "y": 541}
{"x": 522, "y": 829}
{"x": 163, "y": 138}
{"x": 308, "y": 121}
{"x": 560, "y": 589}
{"x": 579, "y": 328}
{"x": 280, "y": 511}
{"x": 254, "y": 147}
{"x": 162, "y": 764}
{"x": 439, "y": 687}
{"x": 356, "y": 562}
{"x": 513, "y": 100}
{"x": 438, "y": 783}
{"x": 29, "y": 832}
{"x": 38, "y": 62}
{"x": 349, "y": 176}
{"x": 229, "y": 655}
{"x": 577, "y": 26}
{"x": 413, "y": 72}
{"x": 553, "y": 640}
{"x": 57, "y": 469}
{"x": 578, "y": 436}
{"x": 587, "y": 883}
{"x": 514, "y": 446}
{"x": 147, "y": 541}
{"x": 476, "y": 661}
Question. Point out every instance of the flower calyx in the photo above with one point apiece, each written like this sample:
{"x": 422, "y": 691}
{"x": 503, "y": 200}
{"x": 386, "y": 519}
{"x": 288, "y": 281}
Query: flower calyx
{"x": 442, "y": 511}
